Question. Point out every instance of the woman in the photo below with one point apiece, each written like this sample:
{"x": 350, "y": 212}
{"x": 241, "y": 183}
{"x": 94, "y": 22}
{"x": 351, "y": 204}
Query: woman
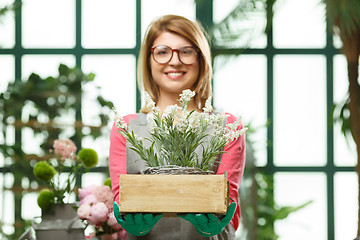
{"x": 175, "y": 56}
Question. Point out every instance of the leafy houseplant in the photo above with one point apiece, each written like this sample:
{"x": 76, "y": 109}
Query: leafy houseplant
{"x": 174, "y": 137}
{"x": 51, "y": 171}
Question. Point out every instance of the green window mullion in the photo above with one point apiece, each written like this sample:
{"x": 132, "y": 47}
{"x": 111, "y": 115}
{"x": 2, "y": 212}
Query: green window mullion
{"x": 137, "y": 49}
{"x": 78, "y": 51}
{"x": 18, "y": 139}
{"x": 330, "y": 136}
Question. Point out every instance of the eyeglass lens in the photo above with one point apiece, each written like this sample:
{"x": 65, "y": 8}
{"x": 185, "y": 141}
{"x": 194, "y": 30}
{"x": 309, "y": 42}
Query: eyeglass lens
{"x": 164, "y": 54}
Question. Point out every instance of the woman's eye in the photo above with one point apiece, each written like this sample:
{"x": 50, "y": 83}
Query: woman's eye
{"x": 187, "y": 51}
{"x": 163, "y": 52}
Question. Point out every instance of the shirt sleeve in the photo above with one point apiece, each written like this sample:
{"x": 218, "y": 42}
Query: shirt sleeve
{"x": 117, "y": 157}
{"x": 233, "y": 162}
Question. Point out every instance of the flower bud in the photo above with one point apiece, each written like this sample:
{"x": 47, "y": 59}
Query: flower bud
{"x": 89, "y": 157}
{"x": 44, "y": 171}
{"x": 45, "y": 199}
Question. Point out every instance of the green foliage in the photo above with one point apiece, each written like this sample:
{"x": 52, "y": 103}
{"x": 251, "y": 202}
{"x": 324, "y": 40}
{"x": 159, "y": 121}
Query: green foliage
{"x": 89, "y": 157}
{"x": 343, "y": 16}
{"x": 12, "y": 7}
{"x": 50, "y": 98}
{"x": 241, "y": 25}
{"x": 107, "y": 182}
{"x": 341, "y": 114}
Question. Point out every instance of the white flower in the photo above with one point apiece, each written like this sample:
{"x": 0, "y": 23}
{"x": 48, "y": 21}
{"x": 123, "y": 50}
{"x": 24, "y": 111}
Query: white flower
{"x": 151, "y": 121}
{"x": 243, "y": 130}
{"x": 171, "y": 111}
{"x": 233, "y": 126}
{"x": 150, "y": 104}
{"x": 218, "y": 119}
{"x": 185, "y": 97}
{"x": 194, "y": 121}
{"x": 233, "y": 132}
{"x": 182, "y": 124}
{"x": 119, "y": 121}
{"x": 208, "y": 106}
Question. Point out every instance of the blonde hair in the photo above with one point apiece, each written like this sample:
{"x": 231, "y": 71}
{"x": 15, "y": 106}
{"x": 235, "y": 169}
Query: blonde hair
{"x": 194, "y": 33}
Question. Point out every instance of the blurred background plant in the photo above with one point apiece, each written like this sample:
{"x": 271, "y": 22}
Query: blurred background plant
{"x": 344, "y": 21}
{"x": 51, "y": 172}
{"x": 49, "y": 109}
{"x": 8, "y": 8}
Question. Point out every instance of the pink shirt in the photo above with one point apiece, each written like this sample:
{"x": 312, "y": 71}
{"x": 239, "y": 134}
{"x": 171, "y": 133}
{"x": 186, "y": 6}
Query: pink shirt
{"x": 233, "y": 162}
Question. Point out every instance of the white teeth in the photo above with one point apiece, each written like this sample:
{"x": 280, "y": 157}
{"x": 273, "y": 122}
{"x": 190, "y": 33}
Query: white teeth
{"x": 175, "y": 74}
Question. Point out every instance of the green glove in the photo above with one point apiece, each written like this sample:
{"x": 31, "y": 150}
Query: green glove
{"x": 208, "y": 224}
{"x": 137, "y": 224}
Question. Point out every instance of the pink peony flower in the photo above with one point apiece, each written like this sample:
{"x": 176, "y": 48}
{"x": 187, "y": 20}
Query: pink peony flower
{"x": 89, "y": 199}
{"x": 84, "y": 211}
{"x": 112, "y": 222}
{"x": 99, "y": 213}
{"x": 83, "y": 192}
{"x": 66, "y": 148}
{"x": 104, "y": 194}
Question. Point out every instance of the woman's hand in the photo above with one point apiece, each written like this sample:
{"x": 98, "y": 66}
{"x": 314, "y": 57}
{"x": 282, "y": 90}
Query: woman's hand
{"x": 137, "y": 224}
{"x": 208, "y": 224}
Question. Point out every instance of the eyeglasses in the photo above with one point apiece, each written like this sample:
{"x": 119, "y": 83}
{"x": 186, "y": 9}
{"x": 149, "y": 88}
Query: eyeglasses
{"x": 163, "y": 54}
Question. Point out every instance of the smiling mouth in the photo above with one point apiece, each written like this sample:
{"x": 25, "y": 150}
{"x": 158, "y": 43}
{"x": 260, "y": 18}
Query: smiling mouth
{"x": 175, "y": 74}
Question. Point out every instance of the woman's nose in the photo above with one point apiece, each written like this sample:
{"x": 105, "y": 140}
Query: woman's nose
{"x": 175, "y": 59}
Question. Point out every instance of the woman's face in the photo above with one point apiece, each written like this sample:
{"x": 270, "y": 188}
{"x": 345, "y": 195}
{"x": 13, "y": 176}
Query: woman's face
{"x": 173, "y": 77}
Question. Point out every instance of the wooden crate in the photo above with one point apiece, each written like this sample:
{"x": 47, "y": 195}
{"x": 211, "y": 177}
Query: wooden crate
{"x": 171, "y": 194}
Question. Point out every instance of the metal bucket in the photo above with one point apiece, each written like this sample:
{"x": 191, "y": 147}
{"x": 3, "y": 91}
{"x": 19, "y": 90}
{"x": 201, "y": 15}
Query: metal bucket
{"x": 60, "y": 224}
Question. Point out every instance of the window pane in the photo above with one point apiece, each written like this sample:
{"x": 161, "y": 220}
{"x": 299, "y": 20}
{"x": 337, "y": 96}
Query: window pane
{"x": 346, "y": 203}
{"x": 242, "y": 92}
{"x": 299, "y": 110}
{"x": 30, "y": 140}
{"x": 310, "y": 220}
{"x": 7, "y": 27}
{"x": 156, "y": 8}
{"x": 48, "y": 24}
{"x": 248, "y": 25}
{"x": 92, "y": 178}
{"x": 109, "y": 24}
{"x": 295, "y": 21}
{"x": 9, "y": 212}
{"x": 28, "y": 201}
{"x": 344, "y": 148}
{"x": 7, "y": 71}
{"x": 115, "y": 75}
{"x": 45, "y": 65}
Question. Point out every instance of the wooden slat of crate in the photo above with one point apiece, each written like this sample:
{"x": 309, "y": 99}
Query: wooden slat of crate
{"x": 173, "y": 194}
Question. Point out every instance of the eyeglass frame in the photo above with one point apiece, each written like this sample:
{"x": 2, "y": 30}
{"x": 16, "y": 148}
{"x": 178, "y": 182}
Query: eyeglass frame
{"x": 172, "y": 53}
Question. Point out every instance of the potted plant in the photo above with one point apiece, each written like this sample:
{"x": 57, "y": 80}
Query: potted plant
{"x": 181, "y": 141}
{"x": 59, "y": 173}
